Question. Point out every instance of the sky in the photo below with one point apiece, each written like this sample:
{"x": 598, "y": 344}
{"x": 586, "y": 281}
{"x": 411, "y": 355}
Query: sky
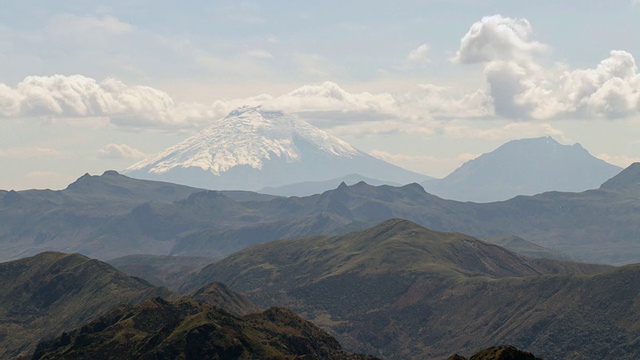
{"x": 427, "y": 85}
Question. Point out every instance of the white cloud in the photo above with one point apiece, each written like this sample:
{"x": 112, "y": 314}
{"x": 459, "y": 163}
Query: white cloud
{"x": 76, "y": 99}
{"x": 81, "y": 97}
{"x": 522, "y": 86}
{"x": 497, "y": 38}
{"x": 330, "y": 97}
{"x": 419, "y": 54}
{"x": 120, "y": 151}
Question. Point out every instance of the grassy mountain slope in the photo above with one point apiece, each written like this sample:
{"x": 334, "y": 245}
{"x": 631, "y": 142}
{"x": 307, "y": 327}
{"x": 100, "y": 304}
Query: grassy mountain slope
{"x": 158, "y": 329}
{"x": 44, "y": 295}
{"x": 222, "y": 296}
{"x": 40, "y": 296}
{"x": 401, "y": 291}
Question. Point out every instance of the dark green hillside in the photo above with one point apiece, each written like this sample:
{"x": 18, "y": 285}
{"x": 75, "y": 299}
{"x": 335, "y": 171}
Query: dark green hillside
{"x": 400, "y": 291}
{"x": 45, "y": 294}
{"x": 506, "y": 352}
{"x": 159, "y": 329}
{"x": 222, "y": 296}
{"x": 396, "y": 246}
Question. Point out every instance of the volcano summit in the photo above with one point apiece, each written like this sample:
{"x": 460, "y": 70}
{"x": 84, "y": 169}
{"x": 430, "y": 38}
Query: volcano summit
{"x": 252, "y": 148}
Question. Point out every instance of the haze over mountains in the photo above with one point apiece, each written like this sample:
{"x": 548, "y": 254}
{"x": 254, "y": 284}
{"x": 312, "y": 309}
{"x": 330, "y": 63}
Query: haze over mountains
{"x": 596, "y": 225}
{"x": 251, "y": 149}
{"x": 396, "y": 290}
{"x": 523, "y": 167}
{"x": 274, "y": 153}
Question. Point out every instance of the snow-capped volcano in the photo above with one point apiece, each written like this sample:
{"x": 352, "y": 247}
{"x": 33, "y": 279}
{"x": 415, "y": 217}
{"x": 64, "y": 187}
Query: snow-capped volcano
{"x": 252, "y": 148}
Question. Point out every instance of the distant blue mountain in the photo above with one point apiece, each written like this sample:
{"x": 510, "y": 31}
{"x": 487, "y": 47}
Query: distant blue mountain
{"x": 524, "y": 167}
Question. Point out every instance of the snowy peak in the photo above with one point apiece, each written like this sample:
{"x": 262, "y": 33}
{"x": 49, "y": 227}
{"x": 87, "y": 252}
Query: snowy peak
{"x": 252, "y": 148}
{"x": 247, "y": 136}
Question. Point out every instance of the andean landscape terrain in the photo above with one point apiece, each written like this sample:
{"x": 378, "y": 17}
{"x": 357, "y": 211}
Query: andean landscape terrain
{"x": 386, "y": 269}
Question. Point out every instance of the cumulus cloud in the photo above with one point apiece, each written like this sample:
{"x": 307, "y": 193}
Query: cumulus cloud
{"x": 79, "y": 97}
{"x": 419, "y": 54}
{"x": 497, "y": 38}
{"x": 328, "y": 96}
{"x": 120, "y": 151}
{"x": 522, "y": 86}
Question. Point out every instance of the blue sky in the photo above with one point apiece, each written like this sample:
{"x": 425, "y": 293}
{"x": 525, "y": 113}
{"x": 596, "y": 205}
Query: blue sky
{"x": 424, "y": 84}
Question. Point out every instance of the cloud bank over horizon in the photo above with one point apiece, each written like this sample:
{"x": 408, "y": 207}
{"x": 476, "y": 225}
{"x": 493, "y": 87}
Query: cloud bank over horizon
{"x": 521, "y": 86}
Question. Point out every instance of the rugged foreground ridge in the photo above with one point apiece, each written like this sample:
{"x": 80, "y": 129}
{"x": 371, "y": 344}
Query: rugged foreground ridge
{"x": 160, "y": 329}
{"x": 400, "y": 291}
{"x": 42, "y": 294}
{"x": 506, "y": 352}
{"x": 48, "y": 295}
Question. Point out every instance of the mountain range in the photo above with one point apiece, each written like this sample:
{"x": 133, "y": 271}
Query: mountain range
{"x": 396, "y": 290}
{"x": 50, "y": 297}
{"x": 252, "y": 148}
{"x": 596, "y": 225}
{"x": 279, "y": 154}
{"x": 400, "y": 291}
{"x": 523, "y": 167}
